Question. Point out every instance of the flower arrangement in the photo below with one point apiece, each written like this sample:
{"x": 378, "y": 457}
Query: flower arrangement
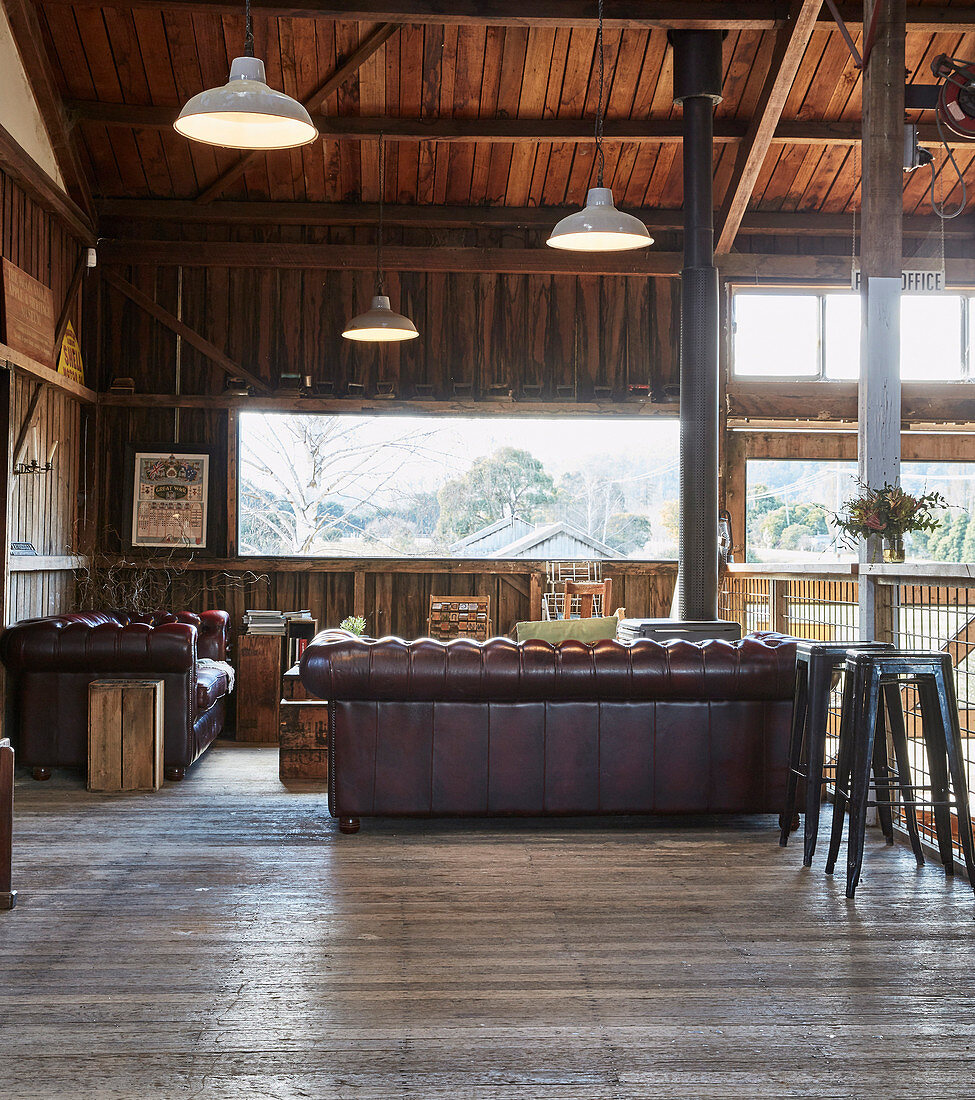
{"x": 889, "y": 512}
{"x": 354, "y": 624}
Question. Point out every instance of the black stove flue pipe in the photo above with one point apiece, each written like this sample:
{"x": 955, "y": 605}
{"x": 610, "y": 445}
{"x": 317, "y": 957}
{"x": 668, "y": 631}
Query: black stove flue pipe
{"x": 697, "y": 86}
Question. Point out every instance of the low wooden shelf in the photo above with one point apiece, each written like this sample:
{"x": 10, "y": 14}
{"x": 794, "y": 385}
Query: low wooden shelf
{"x": 258, "y": 687}
{"x": 125, "y": 735}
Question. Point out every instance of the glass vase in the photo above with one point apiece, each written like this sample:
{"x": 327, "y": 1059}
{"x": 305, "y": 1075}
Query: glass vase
{"x": 894, "y": 548}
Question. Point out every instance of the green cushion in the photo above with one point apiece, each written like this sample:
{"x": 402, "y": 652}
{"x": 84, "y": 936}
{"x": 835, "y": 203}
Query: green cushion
{"x": 563, "y": 630}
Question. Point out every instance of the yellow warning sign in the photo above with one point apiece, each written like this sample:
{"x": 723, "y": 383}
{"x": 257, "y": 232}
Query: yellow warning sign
{"x": 69, "y": 361}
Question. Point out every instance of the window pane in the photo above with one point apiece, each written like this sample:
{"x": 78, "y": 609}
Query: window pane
{"x": 787, "y": 509}
{"x": 931, "y": 337}
{"x": 428, "y": 486}
{"x": 843, "y": 336}
{"x": 788, "y": 504}
{"x": 776, "y": 335}
{"x": 931, "y": 343}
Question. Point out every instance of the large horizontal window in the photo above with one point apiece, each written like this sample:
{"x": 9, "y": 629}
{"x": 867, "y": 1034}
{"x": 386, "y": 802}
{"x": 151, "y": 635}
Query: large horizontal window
{"x": 801, "y": 334}
{"x": 403, "y": 486}
{"x": 789, "y": 504}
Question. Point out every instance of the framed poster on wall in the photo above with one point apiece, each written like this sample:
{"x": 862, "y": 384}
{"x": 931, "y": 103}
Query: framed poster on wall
{"x": 170, "y": 495}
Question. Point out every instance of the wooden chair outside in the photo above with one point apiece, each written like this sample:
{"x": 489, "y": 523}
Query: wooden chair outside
{"x": 593, "y": 598}
{"x": 556, "y": 574}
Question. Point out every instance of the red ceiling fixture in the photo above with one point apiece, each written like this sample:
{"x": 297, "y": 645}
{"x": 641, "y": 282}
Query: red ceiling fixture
{"x": 956, "y": 101}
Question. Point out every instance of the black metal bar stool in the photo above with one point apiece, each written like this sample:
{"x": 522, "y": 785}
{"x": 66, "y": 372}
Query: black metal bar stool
{"x": 870, "y": 676}
{"x": 816, "y": 664}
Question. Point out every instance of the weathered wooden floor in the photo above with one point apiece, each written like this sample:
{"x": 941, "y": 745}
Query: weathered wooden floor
{"x": 221, "y": 939}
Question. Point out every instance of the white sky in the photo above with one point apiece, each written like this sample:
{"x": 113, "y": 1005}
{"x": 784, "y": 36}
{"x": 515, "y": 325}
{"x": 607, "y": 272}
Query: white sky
{"x": 453, "y": 443}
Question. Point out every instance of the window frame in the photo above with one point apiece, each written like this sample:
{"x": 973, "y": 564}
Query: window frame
{"x": 821, "y": 292}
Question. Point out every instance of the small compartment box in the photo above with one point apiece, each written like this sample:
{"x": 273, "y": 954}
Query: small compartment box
{"x": 125, "y": 735}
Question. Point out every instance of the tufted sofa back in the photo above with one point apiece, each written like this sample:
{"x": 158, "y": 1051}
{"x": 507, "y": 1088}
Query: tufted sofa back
{"x": 337, "y": 665}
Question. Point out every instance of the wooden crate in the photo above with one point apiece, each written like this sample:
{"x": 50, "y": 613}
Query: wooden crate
{"x": 303, "y": 753}
{"x": 125, "y": 735}
{"x": 258, "y": 687}
{"x": 292, "y": 689}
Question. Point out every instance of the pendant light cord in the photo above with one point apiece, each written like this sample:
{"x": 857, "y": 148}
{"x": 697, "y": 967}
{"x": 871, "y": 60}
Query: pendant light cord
{"x": 248, "y": 30}
{"x": 600, "y": 157}
{"x": 380, "y": 284}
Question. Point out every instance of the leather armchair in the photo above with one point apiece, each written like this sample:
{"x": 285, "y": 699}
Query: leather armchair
{"x": 54, "y": 659}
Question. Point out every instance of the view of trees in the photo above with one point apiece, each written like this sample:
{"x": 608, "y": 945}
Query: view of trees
{"x": 357, "y": 485}
{"x": 789, "y": 505}
{"x": 504, "y": 485}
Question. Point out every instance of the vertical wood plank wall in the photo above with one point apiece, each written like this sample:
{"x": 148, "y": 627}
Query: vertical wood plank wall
{"x": 394, "y": 597}
{"x": 42, "y": 508}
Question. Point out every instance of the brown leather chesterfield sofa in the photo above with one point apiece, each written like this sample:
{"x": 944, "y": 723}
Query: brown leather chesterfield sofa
{"x": 53, "y": 660}
{"x": 428, "y": 728}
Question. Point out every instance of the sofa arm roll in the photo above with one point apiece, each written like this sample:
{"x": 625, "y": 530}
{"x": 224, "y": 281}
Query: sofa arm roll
{"x": 46, "y": 646}
{"x": 213, "y": 638}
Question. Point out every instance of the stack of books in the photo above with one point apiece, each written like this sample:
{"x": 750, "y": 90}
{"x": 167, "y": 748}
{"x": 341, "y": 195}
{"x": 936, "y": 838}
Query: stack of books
{"x": 264, "y": 622}
{"x": 295, "y": 628}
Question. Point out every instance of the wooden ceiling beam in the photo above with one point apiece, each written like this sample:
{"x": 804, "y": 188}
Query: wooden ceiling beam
{"x": 790, "y": 45}
{"x": 29, "y": 41}
{"x": 512, "y": 261}
{"x": 538, "y": 261}
{"x": 620, "y": 14}
{"x": 124, "y": 211}
{"x": 346, "y": 68}
{"x": 509, "y": 130}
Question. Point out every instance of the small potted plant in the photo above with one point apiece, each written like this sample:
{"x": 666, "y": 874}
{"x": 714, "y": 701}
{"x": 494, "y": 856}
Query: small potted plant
{"x": 889, "y": 512}
{"x": 354, "y": 624}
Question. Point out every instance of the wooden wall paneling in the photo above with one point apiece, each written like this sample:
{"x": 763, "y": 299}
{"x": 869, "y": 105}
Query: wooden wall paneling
{"x": 538, "y": 370}
{"x": 562, "y": 335}
{"x": 637, "y": 295}
{"x": 589, "y": 358}
{"x": 514, "y": 322}
{"x": 493, "y": 367}
{"x": 384, "y": 612}
{"x": 430, "y": 370}
{"x": 613, "y": 315}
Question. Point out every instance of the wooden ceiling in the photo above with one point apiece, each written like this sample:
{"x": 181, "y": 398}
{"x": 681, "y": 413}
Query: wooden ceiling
{"x": 488, "y": 107}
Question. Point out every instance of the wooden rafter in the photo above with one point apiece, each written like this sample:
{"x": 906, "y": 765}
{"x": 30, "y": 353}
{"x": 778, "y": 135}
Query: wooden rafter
{"x": 790, "y": 45}
{"x": 519, "y": 261}
{"x": 620, "y": 14}
{"x": 69, "y": 301}
{"x": 366, "y": 48}
{"x": 174, "y": 324}
{"x": 30, "y": 45}
{"x": 21, "y": 167}
{"x": 761, "y": 223}
{"x": 510, "y": 130}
